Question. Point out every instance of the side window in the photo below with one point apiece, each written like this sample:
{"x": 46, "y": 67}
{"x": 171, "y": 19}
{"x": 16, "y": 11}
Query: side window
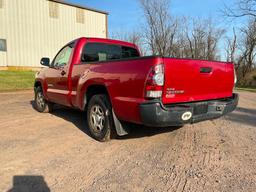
{"x": 53, "y": 9}
{"x": 79, "y": 15}
{"x": 3, "y": 46}
{"x": 63, "y": 57}
{"x": 1, "y": 4}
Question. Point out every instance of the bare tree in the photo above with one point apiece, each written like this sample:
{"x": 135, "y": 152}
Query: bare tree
{"x": 231, "y": 47}
{"x": 160, "y": 28}
{"x": 241, "y": 8}
{"x": 242, "y": 52}
{"x": 245, "y": 59}
{"x": 200, "y": 39}
{"x": 176, "y": 37}
{"x": 248, "y": 47}
{"x": 134, "y": 37}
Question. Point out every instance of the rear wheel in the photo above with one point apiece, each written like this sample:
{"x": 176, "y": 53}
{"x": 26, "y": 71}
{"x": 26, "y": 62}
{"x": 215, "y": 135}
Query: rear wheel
{"x": 99, "y": 118}
{"x": 41, "y": 104}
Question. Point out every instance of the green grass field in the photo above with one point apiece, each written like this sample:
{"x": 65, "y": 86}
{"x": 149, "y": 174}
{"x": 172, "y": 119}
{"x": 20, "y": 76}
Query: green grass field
{"x": 16, "y": 80}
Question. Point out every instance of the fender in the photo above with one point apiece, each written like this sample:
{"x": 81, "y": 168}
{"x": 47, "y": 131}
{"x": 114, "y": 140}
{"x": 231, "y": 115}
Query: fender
{"x": 121, "y": 128}
{"x": 43, "y": 85}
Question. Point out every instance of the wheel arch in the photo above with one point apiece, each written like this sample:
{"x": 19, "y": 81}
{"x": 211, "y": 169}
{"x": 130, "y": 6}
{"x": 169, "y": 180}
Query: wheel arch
{"x": 37, "y": 84}
{"x": 95, "y": 89}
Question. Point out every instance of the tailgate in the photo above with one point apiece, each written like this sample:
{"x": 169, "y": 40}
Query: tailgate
{"x": 188, "y": 80}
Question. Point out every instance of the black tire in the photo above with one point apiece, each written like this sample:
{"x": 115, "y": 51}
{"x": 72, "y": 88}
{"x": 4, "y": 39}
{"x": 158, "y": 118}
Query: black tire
{"x": 41, "y": 105}
{"x": 100, "y": 119}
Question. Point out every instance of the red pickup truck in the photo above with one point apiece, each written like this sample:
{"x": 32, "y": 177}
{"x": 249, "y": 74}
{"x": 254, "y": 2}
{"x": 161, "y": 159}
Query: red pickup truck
{"x": 114, "y": 85}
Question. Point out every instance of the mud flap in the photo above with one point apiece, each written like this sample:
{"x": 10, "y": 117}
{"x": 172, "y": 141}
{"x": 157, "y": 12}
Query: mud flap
{"x": 121, "y": 129}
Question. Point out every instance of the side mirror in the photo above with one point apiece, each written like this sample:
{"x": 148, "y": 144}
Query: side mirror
{"x": 45, "y": 61}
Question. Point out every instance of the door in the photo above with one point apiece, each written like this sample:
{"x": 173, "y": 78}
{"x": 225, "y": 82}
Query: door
{"x": 57, "y": 76}
{"x": 3, "y": 53}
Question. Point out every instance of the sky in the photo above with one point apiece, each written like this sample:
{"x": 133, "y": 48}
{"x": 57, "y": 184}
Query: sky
{"x": 126, "y": 15}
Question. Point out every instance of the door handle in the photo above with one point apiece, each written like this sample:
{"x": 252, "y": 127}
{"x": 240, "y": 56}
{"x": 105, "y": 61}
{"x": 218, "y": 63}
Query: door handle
{"x": 63, "y": 73}
{"x": 205, "y": 70}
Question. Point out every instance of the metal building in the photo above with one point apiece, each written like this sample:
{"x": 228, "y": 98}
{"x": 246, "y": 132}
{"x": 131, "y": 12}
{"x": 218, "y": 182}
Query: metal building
{"x": 31, "y": 29}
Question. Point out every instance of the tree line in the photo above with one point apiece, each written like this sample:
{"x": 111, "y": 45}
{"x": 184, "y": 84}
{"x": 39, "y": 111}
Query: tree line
{"x": 184, "y": 37}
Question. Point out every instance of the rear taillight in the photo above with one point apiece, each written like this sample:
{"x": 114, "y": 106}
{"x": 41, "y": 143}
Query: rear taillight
{"x": 155, "y": 82}
{"x": 235, "y": 77}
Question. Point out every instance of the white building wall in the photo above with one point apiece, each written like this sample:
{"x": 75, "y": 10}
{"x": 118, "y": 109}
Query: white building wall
{"x": 31, "y": 33}
{"x": 3, "y": 33}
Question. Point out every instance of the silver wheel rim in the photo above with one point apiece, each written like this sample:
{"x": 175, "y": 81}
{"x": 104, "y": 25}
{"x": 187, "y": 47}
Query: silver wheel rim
{"x": 97, "y": 118}
{"x": 40, "y": 100}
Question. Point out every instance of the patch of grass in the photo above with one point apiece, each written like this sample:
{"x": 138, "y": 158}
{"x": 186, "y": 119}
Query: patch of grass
{"x": 246, "y": 89}
{"x": 16, "y": 80}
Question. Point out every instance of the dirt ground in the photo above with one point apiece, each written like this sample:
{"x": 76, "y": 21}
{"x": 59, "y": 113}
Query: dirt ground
{"x": 53, "y": 152}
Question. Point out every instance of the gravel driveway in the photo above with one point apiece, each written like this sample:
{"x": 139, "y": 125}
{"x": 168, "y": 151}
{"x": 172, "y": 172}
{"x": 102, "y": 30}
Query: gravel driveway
{"x": 53, "y": 152}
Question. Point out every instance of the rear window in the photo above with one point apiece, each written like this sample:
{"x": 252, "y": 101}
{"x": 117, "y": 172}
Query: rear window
{"x": 94, "y": 52}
